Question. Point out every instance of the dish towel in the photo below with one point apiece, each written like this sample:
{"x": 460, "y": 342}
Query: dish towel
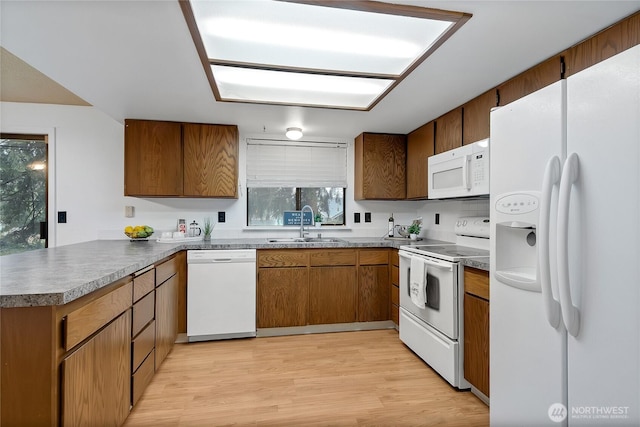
{"x": 418, "y": 282}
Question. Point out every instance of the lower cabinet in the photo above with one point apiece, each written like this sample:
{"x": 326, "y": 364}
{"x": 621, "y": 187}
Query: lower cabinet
{"x": 283, "y": 297}
{"x": 332, "y": 295}
{"x": 166, "y": 318}
{"x": 313, "y": 287}
{"x": 394, "y": 287}
{"x": 373, "y": 285}
{"x": 476, "y": 329}
{"x": 95, "y": 377}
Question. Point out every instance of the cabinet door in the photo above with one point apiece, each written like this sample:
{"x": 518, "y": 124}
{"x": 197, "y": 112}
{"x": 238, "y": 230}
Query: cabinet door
{"x": 152, "y": 158}
{"x": 373, "y": 293}
{"x": 476, "y": 342}
{"x": 166, "y": 318}
{"x": 535, "y": 78}
{"x": 419, "y": 148}
{"x": 449, "y": 131}
{"x": 96, "y": 378}
{"x": 476, "y": 114}
{"x": 332, "y": 295}
{"x": 210, "y": 160}
{"x": 283, "y": 297}
{"x": 380, "y": 165}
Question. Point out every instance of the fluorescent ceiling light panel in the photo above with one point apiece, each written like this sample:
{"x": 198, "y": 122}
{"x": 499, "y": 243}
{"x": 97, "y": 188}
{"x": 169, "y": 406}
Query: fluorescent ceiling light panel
{"x": 291, "y": 88}
{"x": 353, "y": 41}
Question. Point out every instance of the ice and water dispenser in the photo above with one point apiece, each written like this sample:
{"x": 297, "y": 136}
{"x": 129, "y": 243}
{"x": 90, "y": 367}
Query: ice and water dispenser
{"x": 516, "y": 256}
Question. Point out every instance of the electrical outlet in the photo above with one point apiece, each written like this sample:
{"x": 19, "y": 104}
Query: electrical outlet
{"x": 129, "y": 211}
{"x": 437, "y": 221}
{"x": 356, "y": 217}
{"x": 62, "y": 217}
{"x": 367, "y": 217}
{"x": 221, "y": 216}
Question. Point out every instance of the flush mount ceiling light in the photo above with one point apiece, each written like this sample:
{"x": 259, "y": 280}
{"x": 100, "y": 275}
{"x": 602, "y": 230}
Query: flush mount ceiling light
{"x": 321, "y": 53}
{"x": 293, "y": 133}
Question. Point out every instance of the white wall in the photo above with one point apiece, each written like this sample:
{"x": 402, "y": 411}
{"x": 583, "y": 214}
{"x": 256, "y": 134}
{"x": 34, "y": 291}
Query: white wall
{"x": 88, "y": 182}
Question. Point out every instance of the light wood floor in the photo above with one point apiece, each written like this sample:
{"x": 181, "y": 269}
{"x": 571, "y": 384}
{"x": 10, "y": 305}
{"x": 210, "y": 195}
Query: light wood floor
{"x": 366, "y": 378}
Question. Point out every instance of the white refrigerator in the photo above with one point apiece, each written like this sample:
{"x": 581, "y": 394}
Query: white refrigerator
{"x": 565, "y": 251}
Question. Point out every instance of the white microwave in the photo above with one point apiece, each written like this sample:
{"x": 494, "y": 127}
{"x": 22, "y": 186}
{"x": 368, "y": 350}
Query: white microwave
{"x": 461, "y": 172}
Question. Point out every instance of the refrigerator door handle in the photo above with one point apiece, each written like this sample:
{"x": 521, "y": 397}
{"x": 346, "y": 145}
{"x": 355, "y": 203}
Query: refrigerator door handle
{"x": 466, "y": 161}
{"x": 551, "y": 178}
{"x": 570, "y": 313}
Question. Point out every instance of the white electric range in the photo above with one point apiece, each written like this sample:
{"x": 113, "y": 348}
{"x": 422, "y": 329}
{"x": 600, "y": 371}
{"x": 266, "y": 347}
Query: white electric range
{"x": 432, "y": 325}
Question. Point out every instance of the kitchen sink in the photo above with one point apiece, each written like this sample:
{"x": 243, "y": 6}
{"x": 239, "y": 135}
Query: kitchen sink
{"x": 306, "y": 240}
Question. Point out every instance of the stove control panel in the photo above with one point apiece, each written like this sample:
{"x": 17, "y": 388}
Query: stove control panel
{"x": 474, "y": 226}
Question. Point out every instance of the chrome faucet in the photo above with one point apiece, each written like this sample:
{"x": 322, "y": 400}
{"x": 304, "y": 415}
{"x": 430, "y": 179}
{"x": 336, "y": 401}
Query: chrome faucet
{"x": 302, "y": 231}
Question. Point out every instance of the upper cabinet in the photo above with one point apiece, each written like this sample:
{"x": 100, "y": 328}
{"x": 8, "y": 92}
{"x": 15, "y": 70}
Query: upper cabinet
{"x": 152, "y": 158}
{"x": 476, "y": 117}
{"x": 380, "y": 164}
{"x": 535, "y": 78}
{"x": 603, "y": 45}
{"x": 170, "y": 159}
{"x": 419, "y": 148}
{"x": 210, "y": 160}
{"x": 448, "y": 132}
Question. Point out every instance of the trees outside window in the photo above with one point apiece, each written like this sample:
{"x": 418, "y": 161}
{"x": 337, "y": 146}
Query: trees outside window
{"x": 266, "y": 206}
{"x": 23, "y": 198}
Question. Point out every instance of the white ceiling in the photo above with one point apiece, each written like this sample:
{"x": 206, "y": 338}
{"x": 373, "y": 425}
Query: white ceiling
{"x": 136, "y": 59}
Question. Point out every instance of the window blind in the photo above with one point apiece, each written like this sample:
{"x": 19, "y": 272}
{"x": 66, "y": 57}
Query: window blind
{"x": 280, "y": 163}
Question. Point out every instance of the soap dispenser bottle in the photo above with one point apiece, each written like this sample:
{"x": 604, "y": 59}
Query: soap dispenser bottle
{"x": 391, "y": 227}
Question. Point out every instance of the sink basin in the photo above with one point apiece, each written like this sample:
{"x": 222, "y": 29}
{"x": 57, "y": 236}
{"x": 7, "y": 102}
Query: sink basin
{"x": 306, "y": 240}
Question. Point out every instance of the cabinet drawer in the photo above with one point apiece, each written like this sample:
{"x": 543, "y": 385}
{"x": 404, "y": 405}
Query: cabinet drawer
{"x": 142, "y": 345}
{"x": 395, "y": 258}
{"x": 333, "y": 257}
{"x": 395, "y": 275}
{"x": 143, "y": 284}
{"x": 476, "y": 282}
{"x": 142, "y": 377}
{"x": 86, "y": 320}
{"x": 143, "y": 313}
{"x": 375, "y": 257}
{"x": 165, "y": 270}
{"x": 395, "y": 295}
{"x": 283, "y": 258}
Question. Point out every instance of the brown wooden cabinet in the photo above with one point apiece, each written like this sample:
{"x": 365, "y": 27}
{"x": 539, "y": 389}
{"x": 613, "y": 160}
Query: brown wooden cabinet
{"x": 603, "y": 45}
{"x": 171, "y": 159}
{"x": 283, "y": 288}
{"x": 379, "y": 166}
{"x": 210, "y": 160}
{"x": 95, "y": 377}
{"x": 535, "y": 78}
{"x": 476, "y": 328}
{"x": 373, "y": 285}
{"x": 394, "y": 287}
{"x": 476, "y": 117}
{"x": 322, "y": 286}
{"x": 332, "y": 294}
{"x": 166, "y": 309}
{"x": 448, "y": 132}
{"x": 283, "y": 297}
{"x": 420, "y": 145}
{"x": 152, "y": 158}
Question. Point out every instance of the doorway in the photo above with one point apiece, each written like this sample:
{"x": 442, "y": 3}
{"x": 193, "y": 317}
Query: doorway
{"x": 24, "y": 188}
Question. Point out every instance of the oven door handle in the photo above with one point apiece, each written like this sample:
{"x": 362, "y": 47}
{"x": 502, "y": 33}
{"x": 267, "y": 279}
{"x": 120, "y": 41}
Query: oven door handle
{"x": 432, "y": 262}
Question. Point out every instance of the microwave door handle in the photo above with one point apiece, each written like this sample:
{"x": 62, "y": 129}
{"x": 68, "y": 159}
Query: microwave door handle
{"x": 466, "y": 161}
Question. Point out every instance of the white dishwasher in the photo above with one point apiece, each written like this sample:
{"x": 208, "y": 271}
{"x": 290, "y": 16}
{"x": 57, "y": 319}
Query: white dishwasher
{"x": 221, "y": 294}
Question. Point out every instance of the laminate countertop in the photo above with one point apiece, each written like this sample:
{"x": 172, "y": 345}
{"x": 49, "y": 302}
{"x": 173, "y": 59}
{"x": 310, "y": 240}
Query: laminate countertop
{"x": 56, "y": 276}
